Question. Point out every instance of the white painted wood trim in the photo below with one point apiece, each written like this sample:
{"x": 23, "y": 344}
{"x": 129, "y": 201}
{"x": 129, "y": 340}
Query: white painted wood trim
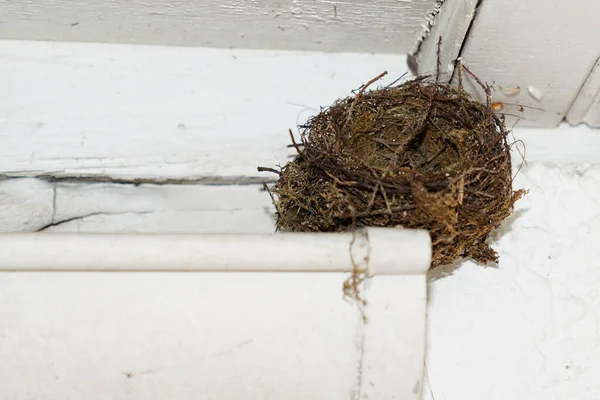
{"x": 586, "y": 107}
{"x": 373, "y": 249}
{"x": 451, "y": 22}
{"x": 26, "y": 205}
{"x": 30, "y": 204}
{"x": 154, "y": 336}
{"x": 381, "y": 381}
{"x": 151, "y": 336}
{"x": 131, "y": 112}
{"x": 544, "y": 49}
{"x": 537, "y": 252}
{"x": 385, "y": 341}
{"x": 383, "y": 26}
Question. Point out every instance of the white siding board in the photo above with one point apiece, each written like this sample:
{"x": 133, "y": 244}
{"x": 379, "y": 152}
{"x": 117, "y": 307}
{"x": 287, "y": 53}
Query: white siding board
{"x": 389, "y": 26}
{"x": 165, "y": 208}
{"x": 128, "y": 111}
{"x": 547, "y": 49}
{"x": 451, "y": 23}
{"x": 539, "y": 46}
{"x": 154, "y": 336}
{"x": 29, "y": 204}
{"x": 82, "y": 206}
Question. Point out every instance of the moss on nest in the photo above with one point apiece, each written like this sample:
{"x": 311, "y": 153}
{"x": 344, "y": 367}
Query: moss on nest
{"x": 420, "y": 155}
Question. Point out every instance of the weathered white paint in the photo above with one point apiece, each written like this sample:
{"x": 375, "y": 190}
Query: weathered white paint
{"x": 540, "y": 313}
{"x": 389, "y": 26}
{"x": 169, "y": 209}
{"x": 451, "y": 22}
{"x": 540, "y": 301}
{"x": 141, "y": 111}
{"x": 30, "y": 204}
{"x": 539, "y": 44}
{"x": 364, "y": 361}
{"x": 528, "y": 329}
{"x": 381, "y": 380}
{"x": 116, "y": 336}
{"x": 208, "y": 336}
{"x": 27, "y": 204}
{"x": 586, "y": 107}
{"x": 545, "y": 49}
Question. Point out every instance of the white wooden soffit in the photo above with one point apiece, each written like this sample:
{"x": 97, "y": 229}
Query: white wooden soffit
{"x": 546, "y": 49}
{"x": 383, "y": 26}
{"x": 158, "y": 112}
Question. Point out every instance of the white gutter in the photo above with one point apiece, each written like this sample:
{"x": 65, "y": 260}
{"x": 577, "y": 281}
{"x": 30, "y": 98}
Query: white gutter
{"x": 308, "y": 338}
{"x": 383, "y": 251}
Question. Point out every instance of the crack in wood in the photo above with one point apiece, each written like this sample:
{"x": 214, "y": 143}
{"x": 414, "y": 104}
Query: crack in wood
{"x": 91, "y": 179}
{"x": 53, "y": 224}
{"x": 466, "y": 37}
{"x": 453, "y": 21}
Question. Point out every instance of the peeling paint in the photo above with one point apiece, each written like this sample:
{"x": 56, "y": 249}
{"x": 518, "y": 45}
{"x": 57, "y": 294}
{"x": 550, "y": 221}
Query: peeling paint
{"x": 430, "y": 19}
{"x": 346, "y": 26}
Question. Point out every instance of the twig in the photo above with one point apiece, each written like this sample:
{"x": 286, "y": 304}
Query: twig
{"x": 459, "y": 63}
{"x": 266, "y": 187}
{"x": 397, "y": 80}
{"x": 373, "y": 197}
{"x": 351, "y": 286}
{"x": 438, "y": 64}
{"x": 338, "y": 139}
{"x": 483, "y": 86}
{"x": 486, "y": 88}
{"x": 522, "y": 154}
{"x": 266, "y": 169}
{"x": 434, "y": 156}
{"x": 360, "y": 92}
{"x": 294, "y": 142}
{"x": 338, "y": 181}
{"x": 387, "y": 203}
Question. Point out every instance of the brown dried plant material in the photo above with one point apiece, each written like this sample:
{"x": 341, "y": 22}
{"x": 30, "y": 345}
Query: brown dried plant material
{"x": 420, "y": 155}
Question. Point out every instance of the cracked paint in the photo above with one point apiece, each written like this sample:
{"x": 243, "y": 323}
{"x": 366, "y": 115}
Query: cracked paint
{"x": 25, "y": 204}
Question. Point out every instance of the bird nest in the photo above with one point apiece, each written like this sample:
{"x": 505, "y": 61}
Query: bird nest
{"x": 419, "y": 155}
